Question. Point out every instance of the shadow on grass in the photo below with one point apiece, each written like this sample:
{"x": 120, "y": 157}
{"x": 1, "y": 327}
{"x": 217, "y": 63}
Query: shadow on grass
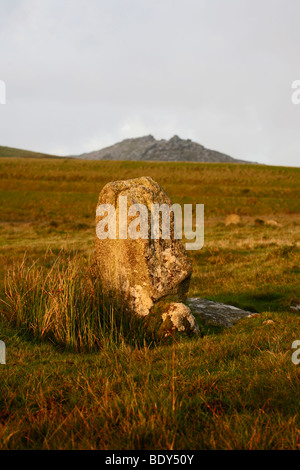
{"x": 259, "y": 302}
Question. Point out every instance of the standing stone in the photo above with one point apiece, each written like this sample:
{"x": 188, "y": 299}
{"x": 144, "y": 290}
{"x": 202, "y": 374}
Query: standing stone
{"x": 2, "y": 353}
{"x": 153, "y": 274}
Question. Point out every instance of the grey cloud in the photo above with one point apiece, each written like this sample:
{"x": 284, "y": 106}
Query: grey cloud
{"x": 84, "y": 73}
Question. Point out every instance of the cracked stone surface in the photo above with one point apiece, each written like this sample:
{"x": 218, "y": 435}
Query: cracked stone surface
{"x": 217, "y": 314}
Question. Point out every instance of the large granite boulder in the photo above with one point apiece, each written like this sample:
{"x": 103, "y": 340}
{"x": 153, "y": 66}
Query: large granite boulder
{"x": 152, "y": 273}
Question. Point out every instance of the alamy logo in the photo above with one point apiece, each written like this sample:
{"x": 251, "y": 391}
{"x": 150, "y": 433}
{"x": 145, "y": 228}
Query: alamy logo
{"x": 2, "y": 353}
{"x": 296, "y": 94}
{"x": 137, "y": 222}
{"x": 296, "y": 354}
{"x": 2, "y": 92}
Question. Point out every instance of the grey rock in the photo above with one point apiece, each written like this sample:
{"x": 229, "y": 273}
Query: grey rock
{"x": 296, "y": 308}
{"x": 215, "y": 313}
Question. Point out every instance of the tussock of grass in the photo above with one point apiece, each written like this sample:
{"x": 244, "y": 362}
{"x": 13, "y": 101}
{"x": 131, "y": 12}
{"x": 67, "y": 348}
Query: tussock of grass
{"x": 66, "y": 305}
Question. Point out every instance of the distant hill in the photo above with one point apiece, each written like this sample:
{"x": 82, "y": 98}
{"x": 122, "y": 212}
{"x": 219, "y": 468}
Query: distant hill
{"x": 12, "y": 152}
{"x": 141, "y": 149}
{"x": 148, "y": 148}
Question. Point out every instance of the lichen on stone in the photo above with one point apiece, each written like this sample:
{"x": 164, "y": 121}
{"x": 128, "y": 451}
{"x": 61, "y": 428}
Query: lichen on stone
{"x": 181, "y": 318}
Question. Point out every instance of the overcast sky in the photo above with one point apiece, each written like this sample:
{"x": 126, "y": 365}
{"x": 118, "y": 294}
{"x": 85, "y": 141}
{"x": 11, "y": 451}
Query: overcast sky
{"x": 84, "y": 74}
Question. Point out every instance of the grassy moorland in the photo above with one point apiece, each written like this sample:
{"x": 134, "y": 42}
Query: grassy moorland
{"x": 230, "y": 389}
{"x": 9, "y": 152}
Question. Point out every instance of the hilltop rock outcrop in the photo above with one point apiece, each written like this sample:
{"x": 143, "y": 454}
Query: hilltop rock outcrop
{"x": 148, "y": 148}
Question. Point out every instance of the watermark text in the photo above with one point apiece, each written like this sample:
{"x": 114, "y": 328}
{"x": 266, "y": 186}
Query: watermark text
{"x": 2, "y": 92}
{"x": 138, "y": 222}
{"x": 296, "y": 354}
{"x": 296, "y": 93}
{"x": 2, "y": 353}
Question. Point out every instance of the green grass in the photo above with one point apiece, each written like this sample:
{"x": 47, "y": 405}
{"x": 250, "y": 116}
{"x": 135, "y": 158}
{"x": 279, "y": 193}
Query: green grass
{"x": 102, "y": 385}
{"x": 9, "y": 152}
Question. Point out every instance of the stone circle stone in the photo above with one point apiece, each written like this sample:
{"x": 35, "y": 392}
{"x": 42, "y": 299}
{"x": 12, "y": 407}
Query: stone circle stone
{"x": 150, "y": 273}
